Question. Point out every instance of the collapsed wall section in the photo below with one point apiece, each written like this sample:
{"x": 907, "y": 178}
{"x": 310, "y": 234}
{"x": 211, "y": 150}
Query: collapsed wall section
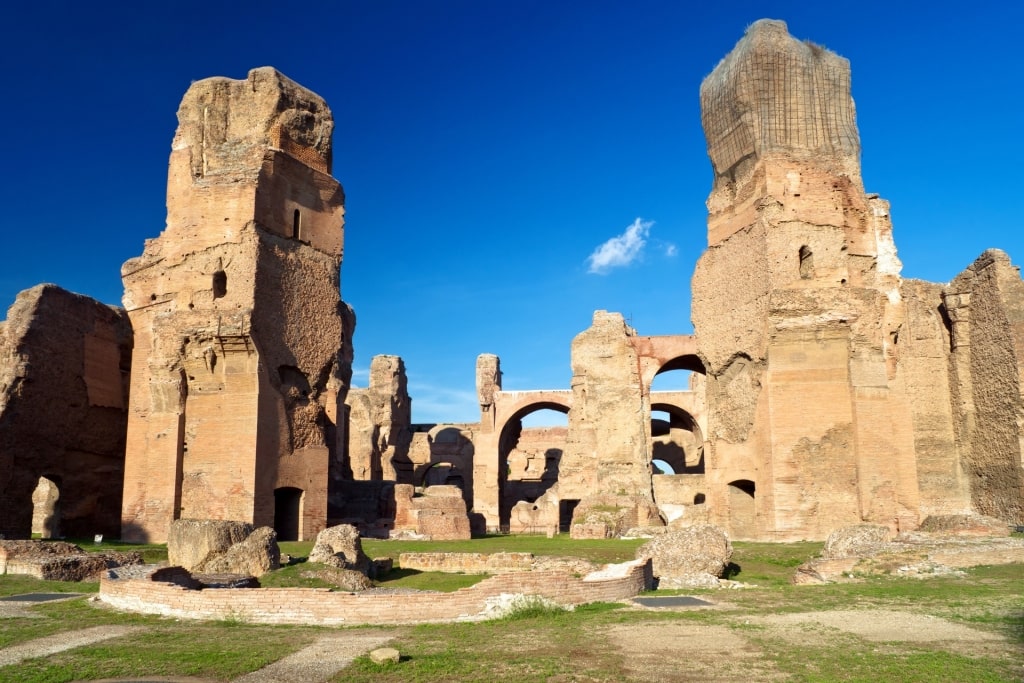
{"x": 985, "y": 307}
{"x": 64, "y": 362}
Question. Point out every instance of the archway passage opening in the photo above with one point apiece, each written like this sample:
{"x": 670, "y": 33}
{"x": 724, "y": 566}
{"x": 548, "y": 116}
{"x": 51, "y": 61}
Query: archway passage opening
{"x": 287, "y": 513}
{"x": 530, "y": 448}
{"x": 677, "y": 442}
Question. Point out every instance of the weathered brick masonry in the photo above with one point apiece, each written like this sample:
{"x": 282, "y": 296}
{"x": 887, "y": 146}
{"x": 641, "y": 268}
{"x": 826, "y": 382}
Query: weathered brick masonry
{"x": 324, "y": 607}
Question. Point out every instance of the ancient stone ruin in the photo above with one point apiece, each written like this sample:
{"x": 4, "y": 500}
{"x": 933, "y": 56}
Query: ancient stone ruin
{"x": 242, "y": 353}
{"x": 825, "y": 391}
{"x": 64, "y": 361}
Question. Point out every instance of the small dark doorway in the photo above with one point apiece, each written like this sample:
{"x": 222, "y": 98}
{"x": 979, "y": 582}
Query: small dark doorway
{"x": 287, "y": 512}
{"x": 565, "y": 510}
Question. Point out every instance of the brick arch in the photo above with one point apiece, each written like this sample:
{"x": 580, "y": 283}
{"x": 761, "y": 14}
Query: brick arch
{"x": 557, "y": 401}
{"x": 680, "y": 418}
{"x": 664, "y": 353}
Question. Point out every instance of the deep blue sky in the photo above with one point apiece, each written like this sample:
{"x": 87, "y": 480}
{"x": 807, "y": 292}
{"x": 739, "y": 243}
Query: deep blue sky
{"x": 488, "y": 147}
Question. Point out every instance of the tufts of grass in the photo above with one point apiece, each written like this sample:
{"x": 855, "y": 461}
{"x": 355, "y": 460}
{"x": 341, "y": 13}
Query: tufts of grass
{"x": 531, "y": 607}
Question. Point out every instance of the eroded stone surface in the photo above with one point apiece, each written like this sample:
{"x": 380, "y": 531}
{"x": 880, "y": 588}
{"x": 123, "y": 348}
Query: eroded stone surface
{"x": 63, "y": 408}
{"x": 222, "y": 547}
{"x": 243, "y": 351}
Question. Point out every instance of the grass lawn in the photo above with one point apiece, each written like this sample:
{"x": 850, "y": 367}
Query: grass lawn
{"x": 771, "y": 630}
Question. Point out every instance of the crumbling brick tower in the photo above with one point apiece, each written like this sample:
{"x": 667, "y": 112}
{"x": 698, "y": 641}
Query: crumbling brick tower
{"x": 243, "y": 352}
{"x": 797, "y": 303}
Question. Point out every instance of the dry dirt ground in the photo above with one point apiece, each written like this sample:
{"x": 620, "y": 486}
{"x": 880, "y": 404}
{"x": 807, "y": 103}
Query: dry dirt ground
{"x": 655, "y": 651}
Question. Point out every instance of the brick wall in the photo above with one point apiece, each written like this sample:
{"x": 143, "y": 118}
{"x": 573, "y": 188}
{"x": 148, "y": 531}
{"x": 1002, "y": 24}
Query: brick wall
{"x": 324, "y": 607}
{"x": 469, "y": 563}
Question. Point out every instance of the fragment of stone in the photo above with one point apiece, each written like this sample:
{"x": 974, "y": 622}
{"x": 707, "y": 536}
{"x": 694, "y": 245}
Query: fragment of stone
{"x": 192, "y": 542}
{"x": 694, "y": 556}
{"x": 255, "y": 555}
{"x": 340, "y": 546}
{"x": 59, "y": 561}
{"x": 345, "y": 579}
{"x": 383, "y": 655}
{"x": 858, "y": 539}
{"x": 222, "y": 547}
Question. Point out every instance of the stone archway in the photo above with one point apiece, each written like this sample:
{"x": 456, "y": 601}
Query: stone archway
{"x": 528, "y": 458}
{"x": 677, "y": 441}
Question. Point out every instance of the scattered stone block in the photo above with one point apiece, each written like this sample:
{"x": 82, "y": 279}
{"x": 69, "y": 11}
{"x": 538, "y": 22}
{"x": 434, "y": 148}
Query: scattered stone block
{"x": 339, "y": 546}
{"x": 222, "y": 547}
{"x": 685, "y": 557}
{"x": 383, "y": 655}
{"x": 859, "y": 539}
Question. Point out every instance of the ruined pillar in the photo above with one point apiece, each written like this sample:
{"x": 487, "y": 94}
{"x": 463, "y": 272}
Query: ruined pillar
{"x": 488, "y": 480}
{"x": 607, "y": 458}
{"x": 985, "y": 307}
{"x": 379, "y": 421}
{"x": 242, "y": 340}
{"x": 797, "y": 303}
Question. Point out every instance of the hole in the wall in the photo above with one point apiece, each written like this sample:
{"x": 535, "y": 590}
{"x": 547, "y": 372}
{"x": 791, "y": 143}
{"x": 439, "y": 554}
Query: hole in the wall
{"x": 806, "y": 263}
{"x": 220, "y": 284}
{"x": 296, "y": 224}
{"x": 699, "y": 499}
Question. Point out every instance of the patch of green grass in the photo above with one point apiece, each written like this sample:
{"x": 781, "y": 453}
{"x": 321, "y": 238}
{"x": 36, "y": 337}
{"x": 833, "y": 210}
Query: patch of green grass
{"x": 16, "y": 584}
{"x": 434, "y": 581}
{"x": 858, "y": 662}
{"x": 202, "y": 650}
{"x": 152, "y": 553}
{"x": 769, "y": 564}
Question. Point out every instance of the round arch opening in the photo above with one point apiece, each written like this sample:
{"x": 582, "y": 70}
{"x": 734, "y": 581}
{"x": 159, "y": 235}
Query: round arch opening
{"x": 530, "y": 447}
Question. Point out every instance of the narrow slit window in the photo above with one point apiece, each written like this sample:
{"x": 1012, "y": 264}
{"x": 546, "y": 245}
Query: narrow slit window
{"x": 806, "y": 263}
{"x": 296, "y": 220}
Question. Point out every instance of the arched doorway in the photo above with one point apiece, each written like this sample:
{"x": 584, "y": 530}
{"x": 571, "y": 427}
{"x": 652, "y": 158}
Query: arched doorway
{"x": 287, "y": 513}
{"x": 677, "y": 442}
{"x": 530, "y": 450}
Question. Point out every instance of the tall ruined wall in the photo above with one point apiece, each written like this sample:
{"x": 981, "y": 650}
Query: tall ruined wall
{"x": 796, "y": 303}
{"x": 606, "y": 449}
{"x": 985, "y": 305}
{"x": 924, "y": 356}
{"x": 243, "y": 343}
{"x": 379, "y": 422}
{"x": 64, "y": 361}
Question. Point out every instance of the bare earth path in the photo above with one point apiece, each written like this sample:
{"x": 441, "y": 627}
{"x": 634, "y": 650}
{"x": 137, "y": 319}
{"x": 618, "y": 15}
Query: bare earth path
{"x": 41, "y": 647}
{"x": 321, "y": 660}
{"x": 669, "y": 652}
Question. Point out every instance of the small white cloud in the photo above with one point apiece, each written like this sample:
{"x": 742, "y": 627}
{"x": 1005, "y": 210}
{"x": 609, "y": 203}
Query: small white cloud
{"x": 670, "y": 250}
{"x": 621, "y": 250}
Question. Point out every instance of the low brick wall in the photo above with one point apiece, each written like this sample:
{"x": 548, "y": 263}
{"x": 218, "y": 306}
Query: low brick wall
{"x": 467, "y": 563}
{"x": 324, "y": 607}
